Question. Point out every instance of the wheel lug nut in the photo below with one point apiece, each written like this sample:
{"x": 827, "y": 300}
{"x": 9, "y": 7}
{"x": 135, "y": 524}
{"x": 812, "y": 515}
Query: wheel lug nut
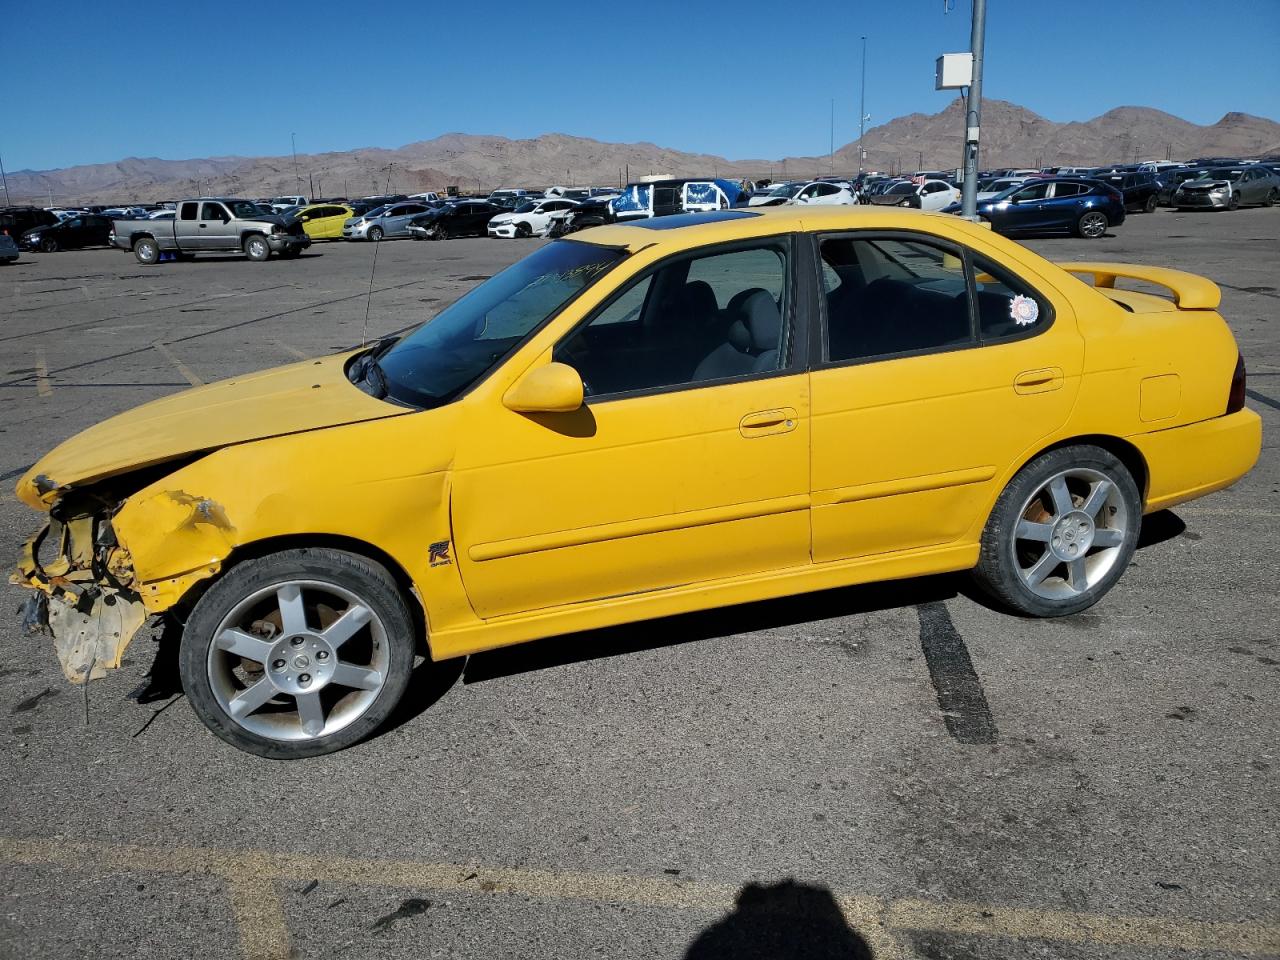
{"x": 296, "y": 641}
{"x": 277, "y": 664}
{"x": 322, "y": 655}
{"x": 304, "y": 678}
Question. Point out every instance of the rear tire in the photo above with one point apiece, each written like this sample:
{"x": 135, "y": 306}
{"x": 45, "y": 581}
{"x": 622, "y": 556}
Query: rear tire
{"x": 256, "y": 248}
{"x": 1092, "y": 225}
{"x": 146, "y": 251}
{"x": 1061, "y": 533}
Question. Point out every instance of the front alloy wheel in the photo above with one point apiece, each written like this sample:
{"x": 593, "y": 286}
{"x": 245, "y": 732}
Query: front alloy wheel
{"x": 298, "y": 653}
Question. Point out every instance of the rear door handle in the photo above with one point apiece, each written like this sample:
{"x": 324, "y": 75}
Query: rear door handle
{"x": 765, "y": 423}
{"x": 1038, "y": 381}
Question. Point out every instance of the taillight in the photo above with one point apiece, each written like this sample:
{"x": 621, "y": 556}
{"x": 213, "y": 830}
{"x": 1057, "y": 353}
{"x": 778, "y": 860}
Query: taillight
{"x": 1235, "y": 399}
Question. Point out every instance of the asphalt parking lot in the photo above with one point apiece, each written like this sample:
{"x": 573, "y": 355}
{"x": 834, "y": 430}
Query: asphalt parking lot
{"x": 894, "y": 771}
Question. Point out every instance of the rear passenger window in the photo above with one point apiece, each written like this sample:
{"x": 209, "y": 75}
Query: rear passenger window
{"x": 893, "y": 297}
{"x": 1007, "y": 307}
{"x": 188, "y": 211}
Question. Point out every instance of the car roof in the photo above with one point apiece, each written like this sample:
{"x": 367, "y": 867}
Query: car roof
{"x": 699, "y": 229}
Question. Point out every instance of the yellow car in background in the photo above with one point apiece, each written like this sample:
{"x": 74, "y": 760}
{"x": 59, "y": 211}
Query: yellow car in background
{"x": 323, "y": 221}
{"x": 642, "y": 420}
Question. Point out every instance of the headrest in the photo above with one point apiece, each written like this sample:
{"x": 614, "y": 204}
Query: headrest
{"x": 763, "y": 322}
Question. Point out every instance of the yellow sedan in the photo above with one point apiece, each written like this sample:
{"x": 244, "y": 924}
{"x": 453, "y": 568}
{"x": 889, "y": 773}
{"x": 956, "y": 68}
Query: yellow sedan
{"x": 646, "y": 419}
{"x": 323, "y": 221}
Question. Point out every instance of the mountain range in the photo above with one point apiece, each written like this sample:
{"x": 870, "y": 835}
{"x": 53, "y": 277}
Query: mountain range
{"x": 1011, "y": 136}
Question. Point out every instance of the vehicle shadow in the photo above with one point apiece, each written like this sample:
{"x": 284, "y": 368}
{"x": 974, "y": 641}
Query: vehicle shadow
{"x": 707, "y": 624}
{"x": 781, "y": 921}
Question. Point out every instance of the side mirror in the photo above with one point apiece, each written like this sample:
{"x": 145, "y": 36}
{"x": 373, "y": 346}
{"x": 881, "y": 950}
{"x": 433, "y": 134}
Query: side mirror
{"x": 554, "y": 388}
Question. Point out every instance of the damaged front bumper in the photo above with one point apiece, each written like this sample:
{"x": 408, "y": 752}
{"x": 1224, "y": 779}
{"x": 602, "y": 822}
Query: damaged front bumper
{"x": 83, "y": 597}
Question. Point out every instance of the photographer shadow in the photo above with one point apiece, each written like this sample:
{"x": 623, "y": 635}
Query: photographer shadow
{"x": 781, "y": 921}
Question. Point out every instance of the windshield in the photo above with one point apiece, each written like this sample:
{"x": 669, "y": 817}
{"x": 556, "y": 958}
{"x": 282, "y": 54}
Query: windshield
{"x": 376, "y": 212}
{"x": 450, "y": 352}
{"x": 1224, "y": 173}
{"x": 786, "y": 190}
{"x": 526, "y": 208}
{"x": 902, "y": 188}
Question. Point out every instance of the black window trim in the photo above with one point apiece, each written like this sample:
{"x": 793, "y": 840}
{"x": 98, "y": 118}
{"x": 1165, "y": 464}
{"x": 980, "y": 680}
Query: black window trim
{"x": 795, "y": 325}
{"x": 818, "y": 343}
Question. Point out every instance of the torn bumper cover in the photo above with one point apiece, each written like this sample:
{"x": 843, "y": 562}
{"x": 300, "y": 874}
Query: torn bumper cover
{"x": 83, "y": 597}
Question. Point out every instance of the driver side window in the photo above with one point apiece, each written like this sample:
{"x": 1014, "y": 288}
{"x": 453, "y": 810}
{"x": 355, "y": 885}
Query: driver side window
{"x": 691, "y": 321}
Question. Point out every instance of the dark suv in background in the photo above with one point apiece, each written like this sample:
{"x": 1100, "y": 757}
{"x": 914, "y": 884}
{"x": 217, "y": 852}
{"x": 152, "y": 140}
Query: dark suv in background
{"x": 1141, "y": 189}
{"x": 15, "y": 221}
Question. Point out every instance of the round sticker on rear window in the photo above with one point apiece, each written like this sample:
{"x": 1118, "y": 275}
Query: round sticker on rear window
{"x": 1024, "y": 310}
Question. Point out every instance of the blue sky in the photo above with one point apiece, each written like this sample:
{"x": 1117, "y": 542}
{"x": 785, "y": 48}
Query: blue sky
{"x": 744, "y": 79}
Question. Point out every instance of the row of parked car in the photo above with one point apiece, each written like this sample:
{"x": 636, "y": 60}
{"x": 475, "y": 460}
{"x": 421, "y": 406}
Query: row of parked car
{"x": 1085, "y": 201}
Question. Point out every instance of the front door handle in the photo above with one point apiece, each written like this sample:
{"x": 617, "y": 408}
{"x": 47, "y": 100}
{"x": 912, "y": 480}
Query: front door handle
{"x": 1038, "y": 381}
{"x": 765, "y": 423}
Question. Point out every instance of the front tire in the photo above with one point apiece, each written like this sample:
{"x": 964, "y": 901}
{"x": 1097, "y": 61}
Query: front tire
{"x": 523, "y": 230}
{"x": 1092, "y": 225}
{"x": 146, "y": 251}
{"x": 1061, "y": 533}
{"x": 1152, "y": 202}
{"x": 1234, "y": 202}
{"x": 256, "y": 248}
{"x": 439, "y": 232}
{"x": 48, "y": 245}
{"x": 375, "y": 234}
{"x": 298, "y": 653}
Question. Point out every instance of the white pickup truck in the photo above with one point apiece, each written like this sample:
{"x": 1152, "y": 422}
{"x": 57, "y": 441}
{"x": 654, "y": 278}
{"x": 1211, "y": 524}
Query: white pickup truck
{"x": 212, "y": 225}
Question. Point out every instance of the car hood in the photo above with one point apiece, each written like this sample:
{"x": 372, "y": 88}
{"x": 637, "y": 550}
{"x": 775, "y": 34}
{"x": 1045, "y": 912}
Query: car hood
{"x": 1206, "y": 182}
{"x": 310, "y": 395}
{"x": 501, "y": 218}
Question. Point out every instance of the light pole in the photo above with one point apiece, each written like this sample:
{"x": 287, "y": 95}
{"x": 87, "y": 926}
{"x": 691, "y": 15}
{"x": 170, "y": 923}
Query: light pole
{"x": 973, "y": 114}
{"x": 862, "y": 105}
{"x": 297, "y": 178}
{"x": 4, "y": 178}
{"x": 831, "y": 154}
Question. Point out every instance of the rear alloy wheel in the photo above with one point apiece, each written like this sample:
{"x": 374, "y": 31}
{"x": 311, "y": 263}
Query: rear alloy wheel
{"x": 146, "y": 251}
{"x": 256, "y": 248}
{"x": 298, "y": 653}
{"x": 48, "y": 245}
{"x": 375, "y": 234}
{"x": 1061, "y": 533}
{"x": 1092, "y": 225}
{"x": 1152, "y": 202}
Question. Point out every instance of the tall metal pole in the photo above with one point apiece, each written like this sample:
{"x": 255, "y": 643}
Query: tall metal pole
{"x": 831, "y": 155}
{"x": 297, "y": 178}
{"x": 3, "y": 177}
{"x": 973, "y": 115}
{"x": 862, "y": 105}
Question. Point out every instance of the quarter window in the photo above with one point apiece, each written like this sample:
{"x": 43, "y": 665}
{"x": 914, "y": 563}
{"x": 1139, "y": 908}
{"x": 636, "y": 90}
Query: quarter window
{"x": 1007, "y": 307}
{"x": 690, "y": 321}
{"x": 188, "y": 211}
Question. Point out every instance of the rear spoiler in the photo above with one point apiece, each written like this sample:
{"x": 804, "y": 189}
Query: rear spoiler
{"x": 1190, "y": 292}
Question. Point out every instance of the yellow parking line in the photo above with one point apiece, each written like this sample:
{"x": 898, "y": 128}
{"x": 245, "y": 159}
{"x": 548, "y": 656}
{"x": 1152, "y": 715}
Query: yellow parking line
{"x": 292, "y": 351}
{"x": 183, "y": 369}
{"x": 252, "y": 875}
{"x": 44, "y": 387}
